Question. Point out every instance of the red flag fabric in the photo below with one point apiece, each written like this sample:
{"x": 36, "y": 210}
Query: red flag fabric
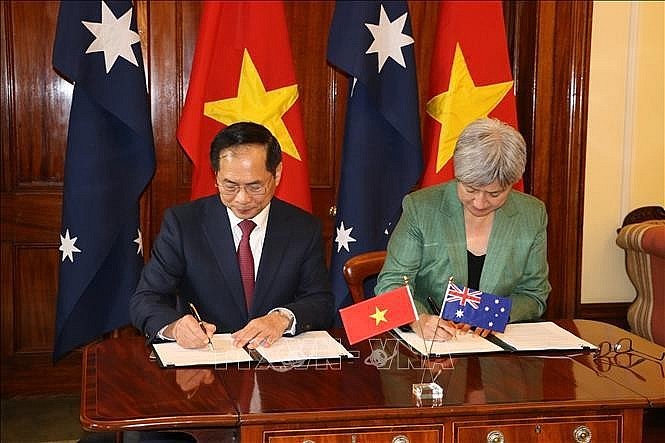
{"x": 470, "y": 78}
{"x": 243, "y": 71}
{"x": 378, "y": 314}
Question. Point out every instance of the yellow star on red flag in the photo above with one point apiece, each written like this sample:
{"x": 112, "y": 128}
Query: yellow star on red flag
{"x": 255, "y": 104}
{"x": 379, "y": 315}
{"x": 461, "y": 104}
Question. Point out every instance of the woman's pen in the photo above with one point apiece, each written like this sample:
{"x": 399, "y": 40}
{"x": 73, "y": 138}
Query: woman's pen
{"x": 203, "y": 328}
{"x": 432, "y": 306}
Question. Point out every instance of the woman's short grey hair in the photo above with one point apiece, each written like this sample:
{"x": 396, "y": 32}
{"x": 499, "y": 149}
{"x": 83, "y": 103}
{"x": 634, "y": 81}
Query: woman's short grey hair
{"x": 489, "y": 150}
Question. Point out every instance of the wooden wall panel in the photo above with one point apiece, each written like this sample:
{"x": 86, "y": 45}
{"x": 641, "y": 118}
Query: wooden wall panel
{"x": 34, "y": 298}
{"x": 317, "y": 85}
{"x": 35, "y": 109}
{"x": 548, "y": 43}
{"x": 320, "y": 89}
{"x": 40, "y": 99}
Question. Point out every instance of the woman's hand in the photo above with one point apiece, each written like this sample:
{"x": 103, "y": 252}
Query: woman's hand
{"x": 465, "y": 327}
{"x": 432, "y": 327}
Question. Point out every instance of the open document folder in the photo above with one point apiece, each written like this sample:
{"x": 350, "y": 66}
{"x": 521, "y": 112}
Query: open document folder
{"x": 540, "y": 336}
{"x": 312, "y": 345}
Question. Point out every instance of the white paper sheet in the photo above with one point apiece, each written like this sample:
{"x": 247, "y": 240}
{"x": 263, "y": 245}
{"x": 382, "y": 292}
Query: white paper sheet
{"x": 461, "y": 344}
{"x": 172, "y": 354}
{"x": 538, "y": 336}
{"x": 541, "y": 336}
{"x": 310, "y": 345}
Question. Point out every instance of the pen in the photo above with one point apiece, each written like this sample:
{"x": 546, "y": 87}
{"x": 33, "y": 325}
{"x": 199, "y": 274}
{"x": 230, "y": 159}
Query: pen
{"x": 198, "y": 318}
{"x": 432, "y": 305}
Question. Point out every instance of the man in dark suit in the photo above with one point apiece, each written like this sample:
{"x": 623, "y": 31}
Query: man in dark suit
{"x": 195, "y": 256}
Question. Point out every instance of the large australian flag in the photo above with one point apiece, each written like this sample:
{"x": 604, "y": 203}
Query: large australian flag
{"x": 109, "y": 162}
{"x": 372, "y": 42}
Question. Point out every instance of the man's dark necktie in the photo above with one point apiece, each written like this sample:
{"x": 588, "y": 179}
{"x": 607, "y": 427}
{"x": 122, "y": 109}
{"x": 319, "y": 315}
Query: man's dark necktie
{"x": 246, "y": 261}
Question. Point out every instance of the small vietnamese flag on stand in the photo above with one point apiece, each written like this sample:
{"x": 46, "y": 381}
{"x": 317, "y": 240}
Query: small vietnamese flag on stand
{"x": 378, "y": 314}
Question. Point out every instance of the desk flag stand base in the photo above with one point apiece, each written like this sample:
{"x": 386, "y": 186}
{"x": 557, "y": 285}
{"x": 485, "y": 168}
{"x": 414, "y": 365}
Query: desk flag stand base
{"x": 427, "y": 394}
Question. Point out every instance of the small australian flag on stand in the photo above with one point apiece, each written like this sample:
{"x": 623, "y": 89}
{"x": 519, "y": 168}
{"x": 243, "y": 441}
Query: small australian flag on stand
{"x": 476, "y": 308}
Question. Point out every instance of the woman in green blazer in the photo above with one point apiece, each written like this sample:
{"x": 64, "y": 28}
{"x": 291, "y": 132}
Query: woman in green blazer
{"x": 475, "y": 228}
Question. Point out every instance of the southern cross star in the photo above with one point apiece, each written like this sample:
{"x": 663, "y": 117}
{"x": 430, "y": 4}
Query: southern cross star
{"x": 67, "y": 246}
{"x": 343, "y": 237}
{"x": 139, "y": 241}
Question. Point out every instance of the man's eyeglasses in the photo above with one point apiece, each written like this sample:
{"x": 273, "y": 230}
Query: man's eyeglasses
{"x": 229, "y": 189}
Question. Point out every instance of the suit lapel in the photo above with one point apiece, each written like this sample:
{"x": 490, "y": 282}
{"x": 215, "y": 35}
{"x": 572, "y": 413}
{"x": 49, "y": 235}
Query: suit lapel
{"x": 217, "y": 229}
{"x": 454, "y": 236}
{"x": 498, "y": 249}
{"x": 275, "y": 245}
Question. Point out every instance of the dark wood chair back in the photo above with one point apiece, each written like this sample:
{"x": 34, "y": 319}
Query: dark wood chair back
{"x": 643, "y": 213}
{"x": 359, "y": 268}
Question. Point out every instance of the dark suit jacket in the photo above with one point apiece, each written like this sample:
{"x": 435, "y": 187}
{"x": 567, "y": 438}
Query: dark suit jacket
{"x": 194, "y": 256}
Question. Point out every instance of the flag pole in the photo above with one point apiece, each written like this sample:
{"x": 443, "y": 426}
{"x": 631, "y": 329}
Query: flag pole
{"x": 426, "y": 392}
{"x": 438, "y": 323}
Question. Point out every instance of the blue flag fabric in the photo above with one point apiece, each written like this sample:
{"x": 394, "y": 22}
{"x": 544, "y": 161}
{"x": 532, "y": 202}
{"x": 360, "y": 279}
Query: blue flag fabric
{"x": 109, "y": 162}
{"x": 476, "y": 308}
{"x": 382, "y": 153}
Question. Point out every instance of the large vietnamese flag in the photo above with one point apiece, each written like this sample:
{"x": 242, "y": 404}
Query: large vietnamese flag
{"x": 243, "y": 71}
{"x": 470, "y": 78}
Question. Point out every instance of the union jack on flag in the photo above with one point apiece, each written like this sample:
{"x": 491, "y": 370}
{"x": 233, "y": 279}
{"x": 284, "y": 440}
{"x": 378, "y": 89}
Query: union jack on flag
{"x": 464, "y": 295}
{"x": 476, "y": 308}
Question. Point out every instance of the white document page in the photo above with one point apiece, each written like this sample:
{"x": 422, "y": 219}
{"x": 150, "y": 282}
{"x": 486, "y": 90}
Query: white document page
{"x": 541, "y": 336}
{"x": 172, "y": 354}
{"x": 461, "y": 344}
{"x": 310, "y": 345}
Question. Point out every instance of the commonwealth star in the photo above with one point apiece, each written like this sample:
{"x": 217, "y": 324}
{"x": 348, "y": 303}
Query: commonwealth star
{"x": 113, "y": 37}
{"x": 389, "y": 39}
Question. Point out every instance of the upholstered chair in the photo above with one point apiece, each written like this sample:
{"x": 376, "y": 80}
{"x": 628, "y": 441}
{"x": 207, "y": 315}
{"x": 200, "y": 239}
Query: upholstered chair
{"x": 644, "y": 243}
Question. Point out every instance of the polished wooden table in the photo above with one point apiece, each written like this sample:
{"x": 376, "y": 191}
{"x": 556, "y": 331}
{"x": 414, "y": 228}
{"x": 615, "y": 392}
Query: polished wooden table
{"x": 539, "y": 397}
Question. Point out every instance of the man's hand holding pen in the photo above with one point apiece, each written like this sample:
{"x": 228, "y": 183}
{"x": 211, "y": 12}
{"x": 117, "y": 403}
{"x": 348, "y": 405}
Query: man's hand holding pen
{"x": 188, "y": 332}
{"x": 201, "y": 325}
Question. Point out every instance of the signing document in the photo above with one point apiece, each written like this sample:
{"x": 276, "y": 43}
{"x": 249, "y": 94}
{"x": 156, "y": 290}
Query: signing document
{"x": 541, "y": 336}
{"x": 537, "y": 336}
{"x": 462, "y": 343}
{"x": 310, "y": 345}
{"x": 172, "y": 354}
